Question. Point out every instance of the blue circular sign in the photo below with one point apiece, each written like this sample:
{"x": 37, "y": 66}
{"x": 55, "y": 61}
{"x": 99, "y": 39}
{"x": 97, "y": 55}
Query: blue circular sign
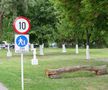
{"x": 21, "y": 41}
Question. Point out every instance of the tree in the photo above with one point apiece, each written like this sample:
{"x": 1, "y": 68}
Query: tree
{"x": 71, "y": 10}
{"x": 43, "y": 21}
{"x": 85, "y": 16}
{"x": 9, "y": 10}
{"x": 94, "y": 14}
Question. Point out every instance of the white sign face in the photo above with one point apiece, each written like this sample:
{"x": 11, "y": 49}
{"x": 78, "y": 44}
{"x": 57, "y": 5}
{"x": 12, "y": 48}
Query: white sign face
{"x": 21, "y": 43}
{"x": 21, "y": 25}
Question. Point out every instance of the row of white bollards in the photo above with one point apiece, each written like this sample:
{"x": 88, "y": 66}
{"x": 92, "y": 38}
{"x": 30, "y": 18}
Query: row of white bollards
{"x": 77, "y": 51}
{"x": 64, "y": 48}
{"x": 34, "y": 60}
{"x": 41, "y": 47}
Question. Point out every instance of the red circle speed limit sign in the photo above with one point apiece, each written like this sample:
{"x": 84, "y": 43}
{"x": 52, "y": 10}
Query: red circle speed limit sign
{"x": 21, "y": 25}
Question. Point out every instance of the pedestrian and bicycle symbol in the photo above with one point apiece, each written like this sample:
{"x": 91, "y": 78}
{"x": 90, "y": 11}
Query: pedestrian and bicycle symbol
{"x": 21, "y": 43}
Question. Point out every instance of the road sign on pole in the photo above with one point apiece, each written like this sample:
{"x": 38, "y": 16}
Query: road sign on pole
{"x": 22, "y": 46}
{"x": 21, "y": 43}
{"x": 21, "y": 25}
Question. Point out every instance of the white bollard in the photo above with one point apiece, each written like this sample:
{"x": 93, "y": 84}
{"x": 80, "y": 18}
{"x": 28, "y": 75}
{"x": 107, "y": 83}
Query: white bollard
{"x": 34, "y": 60}
{"x": 87, "y": 52}
{"x": 77, "y": 49}
{"x": 63, "y": 48}
{"x": 9, "y": 54}
{"x": 32, "y": 46}
{"x": 41, "y": 50}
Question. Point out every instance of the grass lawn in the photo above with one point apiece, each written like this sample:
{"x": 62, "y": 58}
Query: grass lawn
{"x": 34, "y": 76}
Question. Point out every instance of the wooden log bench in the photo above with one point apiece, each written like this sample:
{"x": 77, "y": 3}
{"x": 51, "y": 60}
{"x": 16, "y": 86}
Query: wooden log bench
{"x": 54, "y": 73}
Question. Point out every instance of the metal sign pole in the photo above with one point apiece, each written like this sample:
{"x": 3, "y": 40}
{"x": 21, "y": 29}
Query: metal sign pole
{"x": 22, "y": 72}
{"x": 21, "y": 25}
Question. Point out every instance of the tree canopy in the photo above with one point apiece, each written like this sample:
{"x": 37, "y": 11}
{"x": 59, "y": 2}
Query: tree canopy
{"x": 61, "y": 21}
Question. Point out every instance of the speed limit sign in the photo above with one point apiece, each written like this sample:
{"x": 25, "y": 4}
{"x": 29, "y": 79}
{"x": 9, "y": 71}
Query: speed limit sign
{"x": 21, "y": 25}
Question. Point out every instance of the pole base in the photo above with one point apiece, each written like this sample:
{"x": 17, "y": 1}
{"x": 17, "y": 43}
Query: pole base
{"x": 34, "y": 62}
{"x": 9, "y": 54}
{"x": 64, "y": 51}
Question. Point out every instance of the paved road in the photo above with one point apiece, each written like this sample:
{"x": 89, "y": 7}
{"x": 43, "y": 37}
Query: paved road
{"x": 102, "y": 59}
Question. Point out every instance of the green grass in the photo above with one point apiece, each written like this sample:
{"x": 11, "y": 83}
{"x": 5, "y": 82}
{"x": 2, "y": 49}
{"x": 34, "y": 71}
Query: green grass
{"x": 34, "y": 76}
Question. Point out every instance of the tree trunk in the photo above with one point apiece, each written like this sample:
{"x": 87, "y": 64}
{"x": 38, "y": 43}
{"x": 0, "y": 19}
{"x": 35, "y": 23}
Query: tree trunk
{"x": 87, "y": 45}
{"x": 9, "y": 54}
{"x": 88, "y": 37}
{"x": 1, "y": 21}
{"x": 41, "y": 46}
{"x": 98, "y": 70}
{"x": 32, "y": 47}
{"x": 77, "y": 49}
{"x": 41, "y": 49}
{"x": 87, "y": 52}
{"x": 63, "y": 48}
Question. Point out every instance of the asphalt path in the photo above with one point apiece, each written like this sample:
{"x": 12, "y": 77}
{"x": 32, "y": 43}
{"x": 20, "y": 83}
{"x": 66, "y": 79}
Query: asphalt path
{"x": 2, "y": 87}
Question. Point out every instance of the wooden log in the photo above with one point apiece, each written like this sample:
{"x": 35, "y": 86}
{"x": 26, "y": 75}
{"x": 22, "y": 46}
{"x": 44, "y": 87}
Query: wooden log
{"x": 98, "y": 70}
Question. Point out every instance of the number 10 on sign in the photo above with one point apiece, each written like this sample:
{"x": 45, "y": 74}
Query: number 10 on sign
{"x": 21, "y": 25}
